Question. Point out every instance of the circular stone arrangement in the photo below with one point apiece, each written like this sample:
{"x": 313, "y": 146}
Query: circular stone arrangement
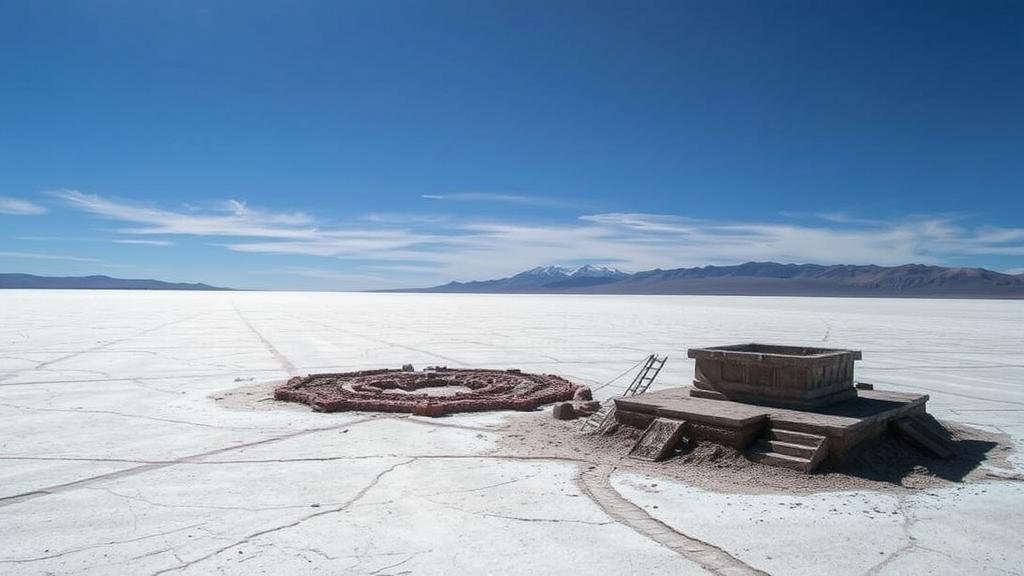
{"x": 433, "y": 392}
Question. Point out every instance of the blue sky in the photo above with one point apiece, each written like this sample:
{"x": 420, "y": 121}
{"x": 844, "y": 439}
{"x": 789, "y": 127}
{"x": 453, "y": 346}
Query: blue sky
{"x": 354, "y": 145}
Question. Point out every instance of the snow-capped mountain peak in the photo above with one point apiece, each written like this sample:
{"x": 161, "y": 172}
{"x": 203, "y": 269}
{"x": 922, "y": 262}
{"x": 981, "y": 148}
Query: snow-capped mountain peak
{"x": 590, "y": 271}
{"x": 558, "y": 272}
{"x": 547, "y": 272}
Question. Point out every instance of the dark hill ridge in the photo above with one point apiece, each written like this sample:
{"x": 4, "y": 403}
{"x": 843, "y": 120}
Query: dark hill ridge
{"x": 761, "y": 279}
{"x": 29, "y": 281}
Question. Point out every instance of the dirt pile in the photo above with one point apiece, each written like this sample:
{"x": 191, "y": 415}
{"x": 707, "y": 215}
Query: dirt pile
{"x": 885, "y": 464}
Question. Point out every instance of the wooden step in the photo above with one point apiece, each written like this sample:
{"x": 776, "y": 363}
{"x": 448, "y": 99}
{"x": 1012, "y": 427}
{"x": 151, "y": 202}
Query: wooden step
{"x": 789, "y": 449}
{"x": 794, "y": 437}
{"x": 781, "y": 460}
{"x": 786, "y": 448}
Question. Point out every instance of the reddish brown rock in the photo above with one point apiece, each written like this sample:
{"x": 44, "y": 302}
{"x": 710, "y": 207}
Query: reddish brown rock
{"x": 587, "y": 407}
{"x": 564, "y": 411}
{"x": 428, "y": 409}
{"x": 583, "y": 393}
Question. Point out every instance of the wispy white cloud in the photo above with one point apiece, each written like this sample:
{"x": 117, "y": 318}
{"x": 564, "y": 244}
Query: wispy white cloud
{"x": 144, "y": 242}
{"x": 43, "y": 256}
{"x": 57, "y": 239}
{"x": 474, "y": 249}
{"x": 19, "y": 207}
{"x": 844, "y": 218}
{"x": 837, "y": 217}
{"x": 366, "y": 243}
{"x": 232, "y": 218}
{"x": 405, "y": 218}
{"x": 651, "y": 223}
{"x": 495, "y": 197}
{"x": 259, "y": 231}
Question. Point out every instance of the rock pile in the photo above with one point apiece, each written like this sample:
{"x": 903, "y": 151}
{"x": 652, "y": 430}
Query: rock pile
{"x": 434, "y": 392}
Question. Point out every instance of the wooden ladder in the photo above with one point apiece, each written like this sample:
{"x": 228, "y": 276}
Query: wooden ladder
{"x": 644, "y": 378}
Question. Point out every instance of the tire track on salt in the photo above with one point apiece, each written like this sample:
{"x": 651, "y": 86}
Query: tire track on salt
{"x": 285, "y": 362}
{"x": 595, "y": 483}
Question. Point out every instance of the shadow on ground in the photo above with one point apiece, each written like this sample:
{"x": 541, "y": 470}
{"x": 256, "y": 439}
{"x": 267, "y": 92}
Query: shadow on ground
{"x": 892, "y": 459}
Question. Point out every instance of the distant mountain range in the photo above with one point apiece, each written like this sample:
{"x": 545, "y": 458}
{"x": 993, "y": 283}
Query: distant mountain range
{"x": 756, "y": 279}
{"x": 28, "y": 281}
{"x": 540, "y": 279}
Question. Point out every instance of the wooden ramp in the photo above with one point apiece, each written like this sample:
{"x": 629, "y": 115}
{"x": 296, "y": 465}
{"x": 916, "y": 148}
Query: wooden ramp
{"x": 919, "y": 434}
{"x": 659, "y": 440}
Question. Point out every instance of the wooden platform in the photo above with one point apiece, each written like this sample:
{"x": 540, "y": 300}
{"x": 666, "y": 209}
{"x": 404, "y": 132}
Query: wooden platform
{"x": 842, "y": 426}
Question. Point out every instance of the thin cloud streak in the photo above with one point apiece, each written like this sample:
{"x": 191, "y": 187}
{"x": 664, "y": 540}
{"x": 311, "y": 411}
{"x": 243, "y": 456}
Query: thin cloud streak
{"x": 42, "y": 256}
{"x": 499, "y": 198}
{"x": 321, "y": 273}
{"x": 405, "y": 218}
{"x": 19, "y": 207}
{"x": 234, "y": 219}
{"x": 146, "y": 242}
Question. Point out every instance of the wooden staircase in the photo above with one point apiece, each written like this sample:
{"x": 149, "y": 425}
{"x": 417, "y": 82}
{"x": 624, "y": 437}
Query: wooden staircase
{"x": 789, "y": 449}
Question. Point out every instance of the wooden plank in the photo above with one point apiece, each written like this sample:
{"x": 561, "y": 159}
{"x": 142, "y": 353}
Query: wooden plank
{"x": 658, "y": 440}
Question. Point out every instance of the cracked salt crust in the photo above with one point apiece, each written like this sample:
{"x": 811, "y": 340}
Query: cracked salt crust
{"x": 115, "y": 459}
{"x": 950, "y": 530}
